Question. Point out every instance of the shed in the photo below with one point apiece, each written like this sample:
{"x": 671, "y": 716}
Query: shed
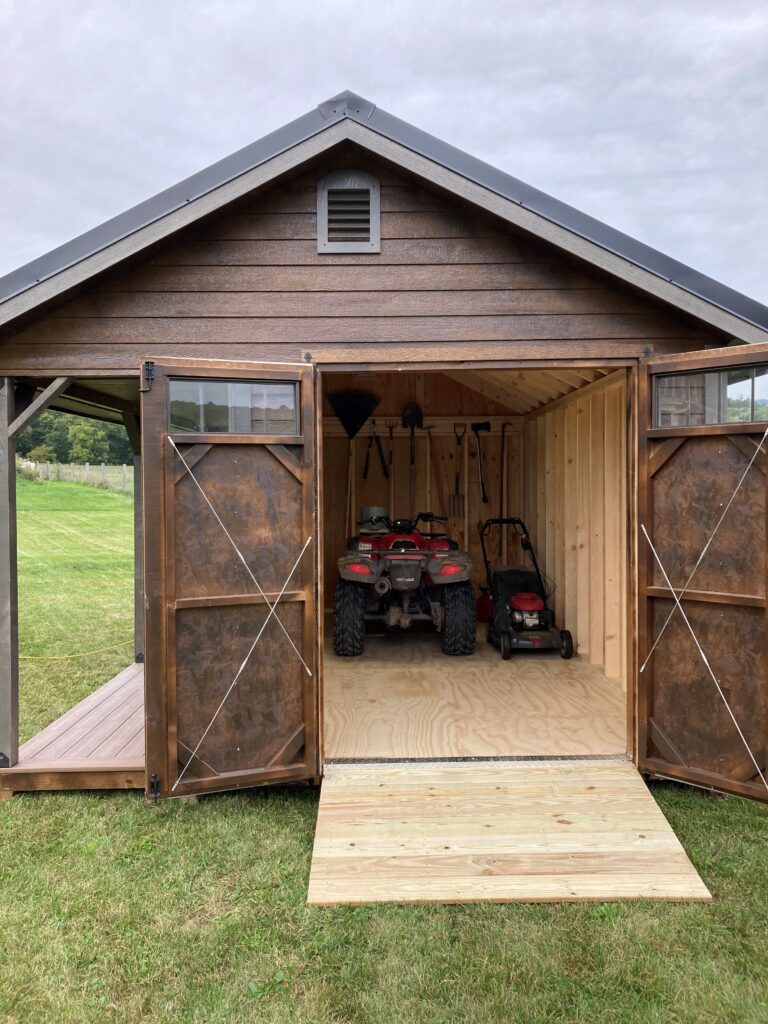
{"x": 350, "y": 250}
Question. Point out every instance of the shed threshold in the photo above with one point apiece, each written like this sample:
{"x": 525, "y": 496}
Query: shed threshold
{"x": 467, "y": 832}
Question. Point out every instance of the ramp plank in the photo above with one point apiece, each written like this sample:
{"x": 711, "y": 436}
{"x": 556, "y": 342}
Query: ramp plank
{"x": 462, "y": 832}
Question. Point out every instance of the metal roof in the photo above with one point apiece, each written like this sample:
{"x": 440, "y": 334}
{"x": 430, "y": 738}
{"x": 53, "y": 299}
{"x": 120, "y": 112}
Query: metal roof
{"x": 349, "y": 105}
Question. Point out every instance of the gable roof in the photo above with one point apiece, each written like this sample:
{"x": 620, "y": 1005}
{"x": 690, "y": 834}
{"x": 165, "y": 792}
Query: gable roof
{"x": 348, "y": 116}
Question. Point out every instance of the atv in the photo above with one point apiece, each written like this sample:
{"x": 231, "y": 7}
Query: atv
{"x": 397, "y": 574}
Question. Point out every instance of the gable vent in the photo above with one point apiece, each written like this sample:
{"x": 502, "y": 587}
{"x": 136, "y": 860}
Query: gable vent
{"x": 349, "y": 215}
{"x": 348, "y": 212}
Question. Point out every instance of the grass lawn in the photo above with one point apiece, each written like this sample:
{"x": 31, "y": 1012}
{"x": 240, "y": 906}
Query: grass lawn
{"x": 113, "y": 910}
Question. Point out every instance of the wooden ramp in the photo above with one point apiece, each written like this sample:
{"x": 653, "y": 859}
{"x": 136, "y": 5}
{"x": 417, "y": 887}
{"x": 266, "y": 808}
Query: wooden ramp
{"x": 97, "y": 744}
{"x": 464, "y": 832}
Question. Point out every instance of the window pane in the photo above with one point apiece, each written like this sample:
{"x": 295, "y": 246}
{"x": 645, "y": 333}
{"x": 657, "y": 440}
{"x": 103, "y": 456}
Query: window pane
{"x": 739, "y": 395}
{"x": 738, "y": 392}
{"x": 235, "y": 407}
{"x": 185, "y": 406}
{"x": 761, "y": 393}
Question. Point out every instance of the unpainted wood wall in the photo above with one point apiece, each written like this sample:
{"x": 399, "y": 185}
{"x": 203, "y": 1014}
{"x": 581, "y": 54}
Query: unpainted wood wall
{"x": 575, "y": 502}
{"x": 444, "y": 402}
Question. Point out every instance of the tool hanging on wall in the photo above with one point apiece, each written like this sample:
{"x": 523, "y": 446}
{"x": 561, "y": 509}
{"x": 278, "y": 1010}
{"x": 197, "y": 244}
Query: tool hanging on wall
{"x": 477, "y": 429}
{"x": 413, "y": 419}
{"x": 436, "y": 473}
{"x": 374, "y": 439}
{"x": 391, "y": 424}
{"x": 456, "y": 500}
{"x": 352, "y": 409}
{"x": 503, "y": 495}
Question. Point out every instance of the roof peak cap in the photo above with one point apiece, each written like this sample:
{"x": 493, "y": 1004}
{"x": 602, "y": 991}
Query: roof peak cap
{"x": 347, "y": 104}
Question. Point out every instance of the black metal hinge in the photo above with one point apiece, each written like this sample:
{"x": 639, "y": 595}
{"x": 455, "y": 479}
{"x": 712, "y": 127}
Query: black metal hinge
{"x": 149, "y": 376}
{"x": 154, "y": 787}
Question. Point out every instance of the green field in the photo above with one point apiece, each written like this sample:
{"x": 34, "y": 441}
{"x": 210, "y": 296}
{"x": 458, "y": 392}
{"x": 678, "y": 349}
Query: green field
{"x": 113, "y": 910}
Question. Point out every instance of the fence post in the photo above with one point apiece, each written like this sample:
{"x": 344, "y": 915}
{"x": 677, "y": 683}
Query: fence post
{"x": 87, "y": 471}
{"x": 72, "y": 471}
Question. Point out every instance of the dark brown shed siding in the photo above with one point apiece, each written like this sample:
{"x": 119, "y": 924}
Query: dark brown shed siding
{"x": 449, "y": 281}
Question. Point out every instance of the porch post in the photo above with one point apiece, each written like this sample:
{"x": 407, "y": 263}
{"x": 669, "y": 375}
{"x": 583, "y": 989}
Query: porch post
{"x": 132, "y": 427}
{"x": 9, "y": 602}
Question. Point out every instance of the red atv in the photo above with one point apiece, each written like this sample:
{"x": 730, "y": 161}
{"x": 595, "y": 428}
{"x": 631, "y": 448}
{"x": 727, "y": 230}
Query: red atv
{"x": 396, "y": 574}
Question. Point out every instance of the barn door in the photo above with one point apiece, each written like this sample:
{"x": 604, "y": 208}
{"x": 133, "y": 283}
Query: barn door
{"x": 230, "y": 575}
{"x": 703, "y": 460}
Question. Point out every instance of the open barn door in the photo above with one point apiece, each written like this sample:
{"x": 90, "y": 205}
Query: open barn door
{"x": 703, "y": 460}
{"x": 229, "y": 493}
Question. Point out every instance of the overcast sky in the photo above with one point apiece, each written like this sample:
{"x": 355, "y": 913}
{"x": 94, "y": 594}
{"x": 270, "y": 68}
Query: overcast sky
{"x": 650, "y": 116}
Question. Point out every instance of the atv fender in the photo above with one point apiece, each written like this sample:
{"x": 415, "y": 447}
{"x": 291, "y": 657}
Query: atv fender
{"x": 346, "y": 573}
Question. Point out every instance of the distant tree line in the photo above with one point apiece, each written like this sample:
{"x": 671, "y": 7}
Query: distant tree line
{"x": 61, "y": 437}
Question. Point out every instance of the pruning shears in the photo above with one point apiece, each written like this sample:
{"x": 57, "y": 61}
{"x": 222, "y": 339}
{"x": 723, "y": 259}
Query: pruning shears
{"x": 373, "y": 438}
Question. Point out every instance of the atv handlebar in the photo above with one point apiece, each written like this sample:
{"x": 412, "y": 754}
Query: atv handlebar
{"x": 403, "y": 525}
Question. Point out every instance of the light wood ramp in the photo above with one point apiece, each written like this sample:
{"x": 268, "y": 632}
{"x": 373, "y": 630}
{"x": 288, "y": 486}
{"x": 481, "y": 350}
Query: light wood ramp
{"x": 465, "y": 832}
{"x": 404, "y": 698}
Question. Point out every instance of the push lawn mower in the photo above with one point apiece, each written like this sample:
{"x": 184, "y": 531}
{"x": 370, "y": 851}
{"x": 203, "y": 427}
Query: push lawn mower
{"x": 518, "y": 616}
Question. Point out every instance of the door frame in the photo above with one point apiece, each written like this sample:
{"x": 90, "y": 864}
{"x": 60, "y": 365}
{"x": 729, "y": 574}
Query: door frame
{"x": 631, "y": 584}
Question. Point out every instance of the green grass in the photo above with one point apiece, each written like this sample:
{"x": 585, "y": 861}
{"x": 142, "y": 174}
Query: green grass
{"x": 112, "y": 910}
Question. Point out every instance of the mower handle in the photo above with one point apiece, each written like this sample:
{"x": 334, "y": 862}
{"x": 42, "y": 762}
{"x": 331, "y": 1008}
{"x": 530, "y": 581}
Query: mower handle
{"x": 520, "y": 528}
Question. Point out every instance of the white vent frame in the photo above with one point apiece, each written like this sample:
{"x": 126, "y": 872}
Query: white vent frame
{"x": 348, "y": 179}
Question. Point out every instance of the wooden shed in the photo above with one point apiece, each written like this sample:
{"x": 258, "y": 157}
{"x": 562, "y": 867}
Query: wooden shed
{"x": 349, "y": 249}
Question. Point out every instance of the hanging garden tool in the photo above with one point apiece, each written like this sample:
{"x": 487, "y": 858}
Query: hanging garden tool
{"x": 352, "y": 408}
{"x": 456, "y": 500}
{"x": 391, "y": 424}
{"x": 476, "y": 429}
{"x": 436, "y": 472}
{"x": 504, "y": 486}
{"x": 413, "y": 420}
{"x": 374, "y": 439}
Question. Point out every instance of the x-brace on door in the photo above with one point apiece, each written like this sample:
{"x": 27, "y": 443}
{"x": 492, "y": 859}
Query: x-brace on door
{"x": 702, "y": 637}
{"x": 229, "y": 484}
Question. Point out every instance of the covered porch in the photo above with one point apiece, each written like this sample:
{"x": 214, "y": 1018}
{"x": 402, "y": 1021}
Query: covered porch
{"x": 97, "y": 744}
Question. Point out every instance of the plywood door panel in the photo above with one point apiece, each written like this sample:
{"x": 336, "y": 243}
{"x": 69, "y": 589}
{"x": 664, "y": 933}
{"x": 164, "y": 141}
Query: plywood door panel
{"x": 229, "y": 702}
{"x": 684, "y": 727}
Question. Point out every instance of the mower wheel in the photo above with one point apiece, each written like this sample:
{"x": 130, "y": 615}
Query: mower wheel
{"x": 566, "y": 644}
{"x": 505, "y": 643}
{"x": 349, "y": 619}
{"x": 460, "y": 630}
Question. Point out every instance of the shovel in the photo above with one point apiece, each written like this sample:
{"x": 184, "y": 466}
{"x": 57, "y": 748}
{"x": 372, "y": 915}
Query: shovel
{"x": 413, "y": 420}
{"x": 456, "y": 500}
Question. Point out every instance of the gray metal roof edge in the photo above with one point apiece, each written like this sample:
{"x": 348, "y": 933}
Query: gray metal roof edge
{"x": 568, "y": 217}
{"x": 163, "y": 203}
{"x": 349, "y": 104}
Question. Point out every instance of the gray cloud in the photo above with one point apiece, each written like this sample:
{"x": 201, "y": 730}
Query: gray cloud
{"x": 650, "y": 116}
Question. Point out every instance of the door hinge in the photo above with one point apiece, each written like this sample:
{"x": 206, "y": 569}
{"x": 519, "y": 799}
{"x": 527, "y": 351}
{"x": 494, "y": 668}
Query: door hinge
{"x": 154, "y": 787}
{"x": 149, "y": 376}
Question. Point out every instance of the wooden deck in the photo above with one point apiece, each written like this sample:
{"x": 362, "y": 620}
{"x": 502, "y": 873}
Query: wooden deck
{"x": 497, "y": 832}
{"x": 405, "y": 699}
{"x": 98, "y": 744}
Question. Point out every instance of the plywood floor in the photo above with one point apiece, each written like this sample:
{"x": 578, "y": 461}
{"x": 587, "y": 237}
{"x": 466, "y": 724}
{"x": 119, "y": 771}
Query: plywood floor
{"x": 499, "y": 832}
{"x": 404, "y": 699}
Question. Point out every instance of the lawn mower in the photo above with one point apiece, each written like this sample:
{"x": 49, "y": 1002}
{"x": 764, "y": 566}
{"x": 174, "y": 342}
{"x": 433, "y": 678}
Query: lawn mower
{"x": 516, "y": 613}
{"x": 395, "y": 573}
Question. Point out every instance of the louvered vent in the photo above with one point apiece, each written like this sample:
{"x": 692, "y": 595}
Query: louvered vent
{"x": 349, "y": 215}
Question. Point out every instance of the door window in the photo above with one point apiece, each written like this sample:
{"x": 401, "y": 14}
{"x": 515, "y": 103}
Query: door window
{"x": 233, "y": 407}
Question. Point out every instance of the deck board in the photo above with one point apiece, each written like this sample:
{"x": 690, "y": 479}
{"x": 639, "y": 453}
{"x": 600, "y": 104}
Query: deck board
{"x": 504, "y": 832}
{"x": 403, "y": 699}
{"x": 98, "y": 744}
